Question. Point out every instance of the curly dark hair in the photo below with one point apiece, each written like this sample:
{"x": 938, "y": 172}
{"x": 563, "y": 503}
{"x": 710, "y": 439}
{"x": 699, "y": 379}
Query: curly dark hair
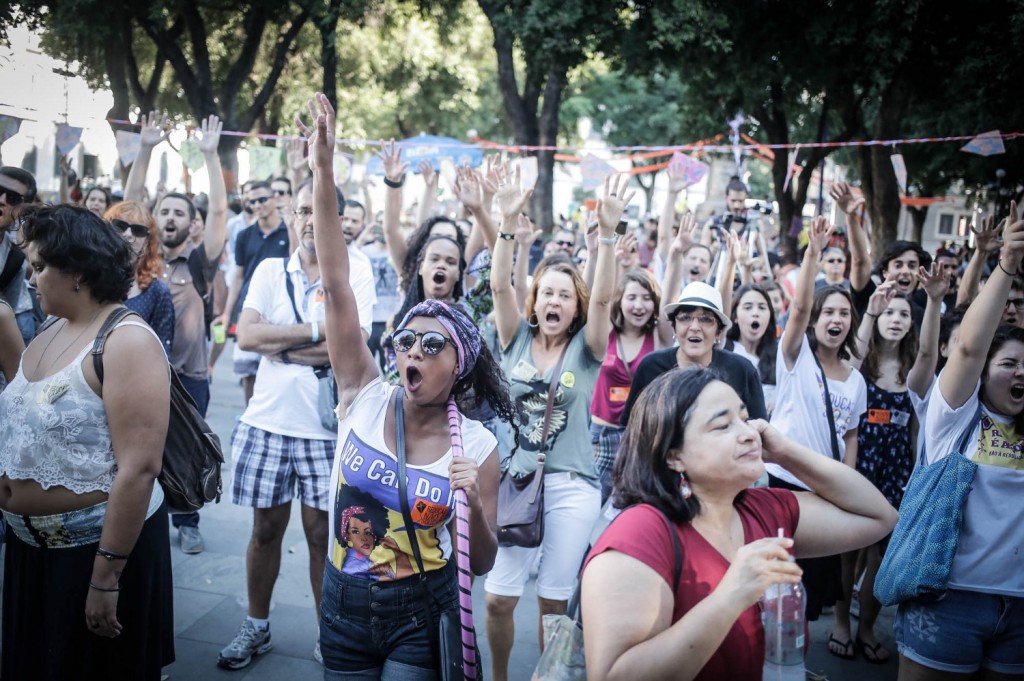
{"x": 418, "y": 241}
{"x": 373, "y": 512}
{"x": 768, "y": 345}
{"x": 76, "y": 242}
{"x": 849, "y": 347}
{"x": 414, "y": 293}
{"x": 487, "y": 384}
{"x": 656, "y": 428}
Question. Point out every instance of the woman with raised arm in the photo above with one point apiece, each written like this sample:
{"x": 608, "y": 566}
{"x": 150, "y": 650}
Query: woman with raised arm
{"x": 380, "y": 570}
{"x": 688, "y": 458}
{"x": 561, "y": 342}
{"x": 814, "y": 361}
{"x": 978, "y": 622}
{"x": 752, "y": 336}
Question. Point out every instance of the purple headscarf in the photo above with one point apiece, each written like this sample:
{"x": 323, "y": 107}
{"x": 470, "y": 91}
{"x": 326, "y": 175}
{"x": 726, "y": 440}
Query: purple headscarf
{"x": 465, "y": 335}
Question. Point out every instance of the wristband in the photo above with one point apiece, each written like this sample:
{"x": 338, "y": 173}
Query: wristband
{"x": 395, "y": 184}
{"x": 314, "y": 332}
{"x": 506, "y": 236}
{"x": 870, "y": 314}
{"x": 606, "y": 240}
{"x": 1000, "y": 263}
{"x": 110, "y": 555}
{"x": 100, "y": 588}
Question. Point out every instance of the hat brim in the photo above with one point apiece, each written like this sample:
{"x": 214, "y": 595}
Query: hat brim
{"x": 704, "y": 303}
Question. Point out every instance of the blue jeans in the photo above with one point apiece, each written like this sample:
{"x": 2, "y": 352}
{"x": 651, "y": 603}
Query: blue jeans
{"x": 379, "y": 630}
{"x": 199, "y": 390}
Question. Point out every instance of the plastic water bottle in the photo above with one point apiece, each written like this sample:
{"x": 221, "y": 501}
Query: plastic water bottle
{"x": 782, "y": 614}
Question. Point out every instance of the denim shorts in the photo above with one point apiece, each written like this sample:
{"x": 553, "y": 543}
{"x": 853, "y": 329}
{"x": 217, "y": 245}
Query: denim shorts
{"x": 963, "y": 631}
{"x": 379, "y": 630}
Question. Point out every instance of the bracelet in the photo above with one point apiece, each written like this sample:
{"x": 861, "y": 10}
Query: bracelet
{"x": 100, "y": 588}
{"x": 607, "y": 240}
{"x": 507, "y": 236}
{"x": 1008, "y": 273}
{"x": 314, "y": 332}
{"x": 110, "y": 555}
{"x": 393, "y": 184}
{"x": 284, "y": 357}
{"x": 870, "y": 314}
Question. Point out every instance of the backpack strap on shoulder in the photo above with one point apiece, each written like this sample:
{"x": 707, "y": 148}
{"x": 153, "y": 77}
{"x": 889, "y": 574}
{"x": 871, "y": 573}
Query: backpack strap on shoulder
{"x": 113, "y": 319}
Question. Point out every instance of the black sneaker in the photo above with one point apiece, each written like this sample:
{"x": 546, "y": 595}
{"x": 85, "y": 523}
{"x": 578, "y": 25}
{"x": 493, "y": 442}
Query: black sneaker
{"x": 248, "y": 642}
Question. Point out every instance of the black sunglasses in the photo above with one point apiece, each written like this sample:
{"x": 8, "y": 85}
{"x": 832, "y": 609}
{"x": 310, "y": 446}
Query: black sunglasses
{"x": 432, "y": 342}
{"x": 258, "y": 200}
{"x": 138, "y": 231}
{"x": 12, "y": 197}
{"x": 565, "y": 243}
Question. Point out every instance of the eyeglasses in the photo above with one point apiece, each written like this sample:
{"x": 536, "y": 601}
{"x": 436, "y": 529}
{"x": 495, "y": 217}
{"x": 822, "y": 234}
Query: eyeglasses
{"x": 704, "y": 319}
{"x": 304, "y": 212}
{"x": 12, "y": 197}
{"x": 138, "y": 231}
{"x": 258, "y": 200}
{"x": 282, "y": 192}
{"x": 432, "y": 342}
{"x": 1010, "y": 364}
{"x": 565, "y": 243}
{"x": 1016, "y": 302}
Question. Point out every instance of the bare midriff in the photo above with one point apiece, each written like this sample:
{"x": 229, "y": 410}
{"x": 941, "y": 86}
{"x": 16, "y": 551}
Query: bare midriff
{"x": 27, "y": 497}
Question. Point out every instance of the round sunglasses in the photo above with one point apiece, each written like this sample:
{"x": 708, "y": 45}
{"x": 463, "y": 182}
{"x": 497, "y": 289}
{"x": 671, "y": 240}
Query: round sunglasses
{"x": 432, "y": 342}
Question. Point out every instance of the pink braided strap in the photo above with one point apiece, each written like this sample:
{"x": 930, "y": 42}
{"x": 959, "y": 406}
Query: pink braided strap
{"x": 462, "y": 552}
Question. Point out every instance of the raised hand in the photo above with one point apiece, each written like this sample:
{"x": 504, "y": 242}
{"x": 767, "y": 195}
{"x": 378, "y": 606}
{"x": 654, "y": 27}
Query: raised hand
{"x": 685, "y": 235}
{"x": 818, "y": 235}
{"x": 935, "y": 282}
{"x": 153, "y": 128}
{"x": 676, "y": 180}
{"x": 881, "y": 298}
{"x": 426, "y": 169}
{"x": 467, "y": 188}
{"x": 320, "y": 139}
{"x": 510, "y": 197}
{"x": 391, "y": 161}
{"x": 210, "y": 135}
{"x": 525, "y": 233}
{"x": 1013, "y": 241}
{"x": 590, "y": 233}
{"x": 739, "y": 249}
{"x": 296, "y": 154}
{"x": 611, "y": 206}
{"x": 626, "y": 253}
{"x": 986, "y": 238}
{"x": 844, "y": 198}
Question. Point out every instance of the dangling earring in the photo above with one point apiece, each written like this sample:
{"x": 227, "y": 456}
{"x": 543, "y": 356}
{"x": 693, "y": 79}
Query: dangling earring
{"x": 78, "y": 286}
{"x": 533, "y": 322}
{"x": 684, "y": 487}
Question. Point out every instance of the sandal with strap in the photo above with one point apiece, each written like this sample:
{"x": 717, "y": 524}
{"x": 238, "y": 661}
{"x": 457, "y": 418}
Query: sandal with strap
{"x": 871, "y": 652}
{"x": 849, "y": 651}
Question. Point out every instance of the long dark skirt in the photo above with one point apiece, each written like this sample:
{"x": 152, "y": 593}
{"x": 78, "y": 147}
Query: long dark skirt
{"x": 44, "y": 631}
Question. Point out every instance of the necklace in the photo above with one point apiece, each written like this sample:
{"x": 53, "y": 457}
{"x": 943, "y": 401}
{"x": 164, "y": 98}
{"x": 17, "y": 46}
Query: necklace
{"x": 66, "y": 347}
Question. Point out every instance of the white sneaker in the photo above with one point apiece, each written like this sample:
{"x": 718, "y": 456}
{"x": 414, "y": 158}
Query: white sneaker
{"x": 248, "y": 643}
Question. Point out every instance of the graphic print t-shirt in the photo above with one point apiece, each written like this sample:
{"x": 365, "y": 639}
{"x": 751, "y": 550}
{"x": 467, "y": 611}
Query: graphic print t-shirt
{"x": 368, "y": 536}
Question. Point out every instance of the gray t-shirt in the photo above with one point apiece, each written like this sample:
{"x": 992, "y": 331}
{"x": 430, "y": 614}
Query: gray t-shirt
{"x": 569, "y": 449}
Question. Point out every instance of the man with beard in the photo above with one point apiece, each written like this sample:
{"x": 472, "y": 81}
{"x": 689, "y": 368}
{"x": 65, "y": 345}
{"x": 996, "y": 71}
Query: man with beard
{"x": 279, "y": 441}
{"x": 188, "y": 270}
{"x": 17, "y": 188}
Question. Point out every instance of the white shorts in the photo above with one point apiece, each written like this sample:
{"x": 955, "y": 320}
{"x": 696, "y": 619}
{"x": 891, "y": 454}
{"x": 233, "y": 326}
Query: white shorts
{"x": 571, "y": 506}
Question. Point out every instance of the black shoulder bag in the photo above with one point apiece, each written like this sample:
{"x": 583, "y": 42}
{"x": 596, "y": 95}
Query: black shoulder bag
{"x": 521, "y": 500}
{"x": 828, "y": 410}
{"x": 327, "y": 397}
{"x": 447, "y": 633}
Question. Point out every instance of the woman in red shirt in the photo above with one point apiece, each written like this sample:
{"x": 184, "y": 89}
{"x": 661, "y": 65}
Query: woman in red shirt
{"x": 690, "y": 453}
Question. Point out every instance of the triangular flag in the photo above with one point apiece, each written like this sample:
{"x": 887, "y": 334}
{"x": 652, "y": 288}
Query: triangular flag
{"x": 127, "y": 146}
{"x": 594, "y": 170}
{"x": 986, "y": 144}
{"x": 264, "y": 162}
{"x": 191, "y": 156}
{"x": 692, "y": 171}
{"x": 9, "y": 126}
{"x": 67, "y": 138}
{"x": 900, "y": 168}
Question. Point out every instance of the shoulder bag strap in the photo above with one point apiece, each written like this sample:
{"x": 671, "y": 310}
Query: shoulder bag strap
{"x": 556, "y": 374}
{"x": 113, "y": 319}
{"x": 403, "y": 492}
{"x": 828, "y": 409}
{"x": 289, "y": 286}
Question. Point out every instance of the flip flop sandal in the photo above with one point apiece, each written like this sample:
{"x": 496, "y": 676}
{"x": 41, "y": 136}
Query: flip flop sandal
{"x": 849, "y": 650}
{"x": 874, "y": 657}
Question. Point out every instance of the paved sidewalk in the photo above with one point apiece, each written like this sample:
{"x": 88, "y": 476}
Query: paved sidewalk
{"x": 210, "y": 595}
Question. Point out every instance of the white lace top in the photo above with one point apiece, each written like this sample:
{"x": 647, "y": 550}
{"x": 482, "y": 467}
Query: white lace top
{"x": 54, "y": 431}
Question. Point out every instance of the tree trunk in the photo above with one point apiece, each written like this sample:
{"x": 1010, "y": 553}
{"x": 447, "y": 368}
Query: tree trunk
{"x": 918, "y": 217}
{"x": 542, "y": 204}
{"x": 228, "y": 152}
{"x": 328, "y": 27}
{"x": 878, "y": 179}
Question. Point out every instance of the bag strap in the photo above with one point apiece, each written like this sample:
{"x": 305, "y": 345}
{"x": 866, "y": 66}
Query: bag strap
{"x": 289, "y": 286}
{"x": 556, "y": 373}
{"x": 403, "y": 492}
{"x": 113, "y": 319}
{"x": 828, "y": 409}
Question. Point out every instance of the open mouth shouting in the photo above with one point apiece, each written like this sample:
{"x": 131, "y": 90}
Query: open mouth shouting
{"x": 834, "y": 332}
{"x": 1017, "y": 392}
{"x": 905, "y": 283}
{"x": 413, "y": 378}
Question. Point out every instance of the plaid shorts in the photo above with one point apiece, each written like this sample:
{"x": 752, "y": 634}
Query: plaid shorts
{"x": 268, "y": 465}
{"x": 605, "y": 440}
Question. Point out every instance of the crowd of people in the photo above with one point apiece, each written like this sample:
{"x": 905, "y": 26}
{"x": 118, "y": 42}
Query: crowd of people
{"x": 767, "y": 411}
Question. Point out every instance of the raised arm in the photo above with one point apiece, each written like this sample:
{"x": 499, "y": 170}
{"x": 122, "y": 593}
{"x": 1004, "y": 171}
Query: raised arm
{"x": 671, "y": 285}
{"x": 297, "y": 165}
{"x": 151, "y": 134}
{"x": 590, "y": 240}
{"x": 844, "y": 512}
{"x": 737, "y": 254}
{"x": 394, "y": 177}
{"x": 430, "y": 178}
{"x": 468, "y": 188}
{"x": 609, "y": 211}
{"x": 800, "y": 307}
{"x": 860, "y": 259}
{"x": 877, "y": 304}
{"x": 935, "y": 284}
{"x": 986, "y": 242}
{"x": 967, "y": 358}
{"x": 525, "y": 236}
{"x": 216, "y": 231}
{"x": 676, "y": 184}
{"x": 511, "y": 201}
{"x": 351, "y": 360}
